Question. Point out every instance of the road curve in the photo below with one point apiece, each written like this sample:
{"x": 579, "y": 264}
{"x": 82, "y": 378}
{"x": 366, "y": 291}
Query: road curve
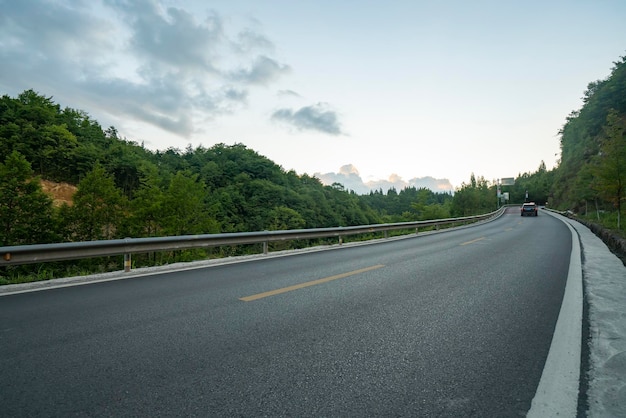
{"x": 450, "y": 324}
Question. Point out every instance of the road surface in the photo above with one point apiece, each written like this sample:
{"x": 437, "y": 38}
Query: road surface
{"x": 450, "y": 324}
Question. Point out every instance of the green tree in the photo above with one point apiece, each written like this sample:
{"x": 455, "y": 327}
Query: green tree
{"x": 98, "y": 208}
{"x": 474, "y": 198}
{"x": 284, "y": 218}
{"x": 427, "y": 207}
{"x": 146, "y": 217}
{"x": 581, "y": 136}
{"x": 185, "y": 209}
{"x": 24, "y": 120}
{"x": 610, "y": 167}
{"x": 57, "y": 151}
{"x": 26, "y": 212}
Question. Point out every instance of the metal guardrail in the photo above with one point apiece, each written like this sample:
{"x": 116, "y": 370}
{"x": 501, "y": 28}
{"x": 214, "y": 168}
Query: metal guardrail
{"x": 41, "y": 253}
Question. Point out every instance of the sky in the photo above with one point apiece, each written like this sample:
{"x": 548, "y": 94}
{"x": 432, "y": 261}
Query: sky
{"x": 366, "y": 93}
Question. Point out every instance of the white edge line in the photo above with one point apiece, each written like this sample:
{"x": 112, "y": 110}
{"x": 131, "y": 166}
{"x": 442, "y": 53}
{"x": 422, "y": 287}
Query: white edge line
{"x": 557, "y": 393}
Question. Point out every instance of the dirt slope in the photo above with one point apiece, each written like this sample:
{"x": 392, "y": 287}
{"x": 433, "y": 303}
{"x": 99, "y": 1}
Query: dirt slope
{"x": 60, "y": 192}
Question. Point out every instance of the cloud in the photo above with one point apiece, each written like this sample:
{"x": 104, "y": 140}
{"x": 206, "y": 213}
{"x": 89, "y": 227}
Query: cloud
{"x": 171, "y": 37}
{"x": 349, "y": 170}
{"x": 139, "y": 60}
{"x": 248, "y": 40}
{"x": 350, "y": 178}
{"x": 317, "y": 117}
{"x": 436, "y": 185}
{"x": 288, "y": 93}
{"x": 263, "y": 71}
{"x": 395, "y": 181}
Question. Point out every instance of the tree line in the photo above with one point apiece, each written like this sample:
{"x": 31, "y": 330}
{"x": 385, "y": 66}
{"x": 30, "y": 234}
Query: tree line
{"x": 127, "y": 190}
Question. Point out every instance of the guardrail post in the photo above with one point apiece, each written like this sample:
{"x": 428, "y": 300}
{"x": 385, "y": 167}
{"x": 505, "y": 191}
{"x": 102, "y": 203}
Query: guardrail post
{"x": 386, "y": 234}
{"x": 340, "y": 240}
{"x": 127, "y": 262}
{"x": 416, "y": 230}
{"x": 265, "y": 247}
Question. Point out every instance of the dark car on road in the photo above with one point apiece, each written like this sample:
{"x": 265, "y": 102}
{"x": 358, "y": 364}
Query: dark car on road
{"x": 529, "y": 209}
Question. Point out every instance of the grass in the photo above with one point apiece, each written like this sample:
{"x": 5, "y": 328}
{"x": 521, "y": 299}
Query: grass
{"x": 607, "y": 220}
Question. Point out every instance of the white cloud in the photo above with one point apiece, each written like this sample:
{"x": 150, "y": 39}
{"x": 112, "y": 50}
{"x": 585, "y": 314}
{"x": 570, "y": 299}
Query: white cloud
{"x": 397, "y": 182}
{"x": 288, "y": 93}
{"x": 349, "y": 177}
{"x": 134, "y": 61}
{"x": 317, "y": 117}
{"x": 263, "y": 71}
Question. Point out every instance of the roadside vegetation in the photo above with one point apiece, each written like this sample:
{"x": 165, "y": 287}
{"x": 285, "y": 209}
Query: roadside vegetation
{"x": 591, "y": 178}
{"x": 123, "y": 189}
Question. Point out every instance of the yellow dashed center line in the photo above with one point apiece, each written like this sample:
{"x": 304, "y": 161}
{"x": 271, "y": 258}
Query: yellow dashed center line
{"x": 307, "y": 284}
{"x": 473, "y": 241}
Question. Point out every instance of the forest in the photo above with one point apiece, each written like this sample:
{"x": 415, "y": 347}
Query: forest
{"x": 126, "y": 190}
{"x": 591, "y": 176}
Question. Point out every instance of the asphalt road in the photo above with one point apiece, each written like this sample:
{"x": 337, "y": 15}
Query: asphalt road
{"x": 450, "y": 324}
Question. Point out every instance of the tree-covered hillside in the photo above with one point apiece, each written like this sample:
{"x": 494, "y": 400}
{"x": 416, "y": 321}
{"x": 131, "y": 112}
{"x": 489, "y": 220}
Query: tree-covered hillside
{"x": 125, "y": 189}
{"x": 592, "y": 173}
